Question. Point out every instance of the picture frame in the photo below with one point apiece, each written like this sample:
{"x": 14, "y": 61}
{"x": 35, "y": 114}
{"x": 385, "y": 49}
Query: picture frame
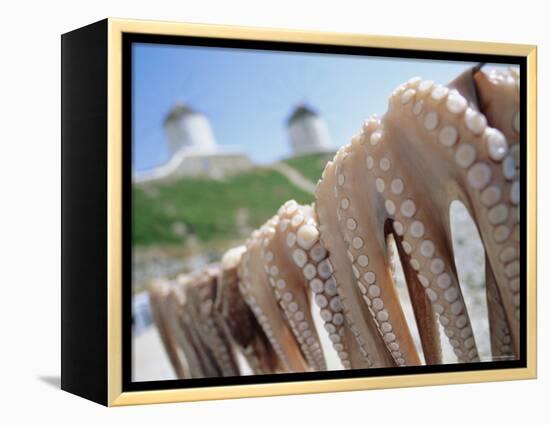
{"x": 97, "y": 176}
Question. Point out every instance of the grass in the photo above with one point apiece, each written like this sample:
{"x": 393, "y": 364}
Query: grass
{"x": 204, "y": 210}
{"x": 310, "y": 166}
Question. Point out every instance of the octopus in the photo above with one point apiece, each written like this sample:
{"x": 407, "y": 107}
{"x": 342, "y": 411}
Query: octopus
{"x": 328, "y": 267}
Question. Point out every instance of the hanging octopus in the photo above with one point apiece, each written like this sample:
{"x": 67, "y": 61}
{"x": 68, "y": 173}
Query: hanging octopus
{"x": 327, "y": 267}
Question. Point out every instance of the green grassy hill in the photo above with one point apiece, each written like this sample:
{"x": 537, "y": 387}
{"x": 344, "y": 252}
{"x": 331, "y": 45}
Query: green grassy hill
{"x": 207, "y": 211}
{"x": 310, "y": 166}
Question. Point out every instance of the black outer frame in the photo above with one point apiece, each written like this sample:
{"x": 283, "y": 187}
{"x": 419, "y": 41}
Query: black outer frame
{"x": 84, "y": 324}
{"x": 84, "y": 211}
{"x": 127, "y": 40}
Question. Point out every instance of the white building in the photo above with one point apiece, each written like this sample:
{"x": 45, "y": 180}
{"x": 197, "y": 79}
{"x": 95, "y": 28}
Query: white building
{"x": 194, "y": 151}
{"x": 307, "y": 131}
{"x": 186, "y": 128}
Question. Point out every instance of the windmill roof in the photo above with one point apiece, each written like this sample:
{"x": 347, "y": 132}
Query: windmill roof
{"x": 179, "y": 111}
{"x": 301, "y": 111}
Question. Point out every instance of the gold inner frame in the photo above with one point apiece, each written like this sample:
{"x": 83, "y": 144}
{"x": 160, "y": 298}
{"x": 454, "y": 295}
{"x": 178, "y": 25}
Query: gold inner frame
{"x": 116, "y": 397}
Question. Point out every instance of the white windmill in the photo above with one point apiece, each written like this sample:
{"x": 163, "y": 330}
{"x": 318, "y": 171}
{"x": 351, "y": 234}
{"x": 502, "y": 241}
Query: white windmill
{"x": 193, "y": 149}
{"x": 308, "y": 131}
{"x": 189, "y": 129}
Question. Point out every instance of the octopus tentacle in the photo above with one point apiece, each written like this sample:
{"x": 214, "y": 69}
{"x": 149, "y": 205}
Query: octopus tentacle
{"x": 202, "y": 294}
{"x": 358, "y": 315}
{"x": 159, "y": 291}
{"x": 185, "y": 331}
{"x": 293, "y": 266}
{"x": 499, "y": 330}
{"x": 424, "y": 313}
{"x": 368, "y": 243}
{"x": 197, "y": 360}
{"x": 497, "y": 212}
{"x": 257, "y": 292}
{"x": 310, "y": 255}
{"x": 238, "y": 319}
{"x": 182, "y": 330}
{"x": 415, "y": 118}
{"x": 498, "y": 93}
{"x": 477, "y": 158}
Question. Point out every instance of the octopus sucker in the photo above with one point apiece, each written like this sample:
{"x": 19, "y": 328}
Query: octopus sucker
{"x": 392, "y": 185}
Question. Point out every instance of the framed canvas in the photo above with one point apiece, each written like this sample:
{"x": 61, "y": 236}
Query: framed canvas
{"x": 252, "y": 212}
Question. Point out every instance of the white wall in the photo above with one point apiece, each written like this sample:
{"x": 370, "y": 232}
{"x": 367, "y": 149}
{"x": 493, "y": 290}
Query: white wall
{"x": 30, "y": 245}
{"x": 309, "y": 134}
{"x": 191, "y": 130}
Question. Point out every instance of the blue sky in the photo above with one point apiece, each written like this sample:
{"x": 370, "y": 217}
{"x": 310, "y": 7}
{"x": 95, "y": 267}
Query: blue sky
{"x": 248, "y": 94}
